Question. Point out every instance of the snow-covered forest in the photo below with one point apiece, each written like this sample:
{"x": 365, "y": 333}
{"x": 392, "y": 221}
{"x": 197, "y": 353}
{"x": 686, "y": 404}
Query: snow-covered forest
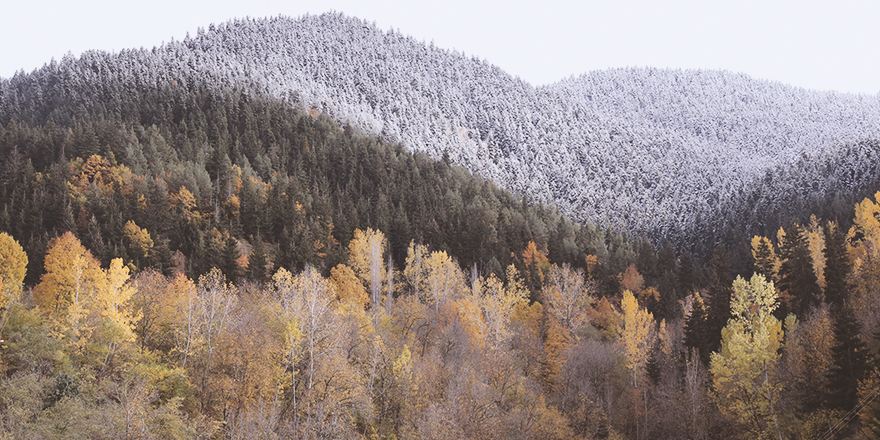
{"x": 288, "y": 228}
{"x": 670, "y": 154}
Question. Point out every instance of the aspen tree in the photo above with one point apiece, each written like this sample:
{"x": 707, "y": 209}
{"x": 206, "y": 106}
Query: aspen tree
{"x": 743, "y": 373}
{"x": 637, "y": 335}
{"x": 365, "y": 255}
{"x": 13, "y": 264}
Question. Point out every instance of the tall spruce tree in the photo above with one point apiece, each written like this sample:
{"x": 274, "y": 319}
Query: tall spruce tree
{"x": 837, "y": 266}
{"x": 257, "y": 261}
{"x": 696, "y": 331}
{"x": 765, "y": 257}
{"x": 230, "y": 259}
{"x": 797, "y": 280}
{"x": 720, "y": 289}
{"x": 850, "y": 359}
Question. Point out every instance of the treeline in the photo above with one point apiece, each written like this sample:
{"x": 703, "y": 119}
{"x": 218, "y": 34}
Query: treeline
{"x": 694, "y": 157}
{"x": 181, "y": 263}
{"x": 430, "y": 349}
{"x": 214, "y": 176}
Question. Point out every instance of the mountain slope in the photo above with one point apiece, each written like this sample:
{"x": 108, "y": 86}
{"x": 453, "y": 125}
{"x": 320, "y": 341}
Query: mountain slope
{"x": 666, "y": 153}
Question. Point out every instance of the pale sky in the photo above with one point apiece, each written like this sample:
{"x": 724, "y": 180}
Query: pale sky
{"x": 829, "y": 45}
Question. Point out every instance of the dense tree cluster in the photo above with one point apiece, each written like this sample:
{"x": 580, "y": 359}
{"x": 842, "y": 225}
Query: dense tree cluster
{"x": 216, "y": 239}
{"x": 430, "y": 349}
{"x": 671, "y": 154}
{"x": 208, "y": 180}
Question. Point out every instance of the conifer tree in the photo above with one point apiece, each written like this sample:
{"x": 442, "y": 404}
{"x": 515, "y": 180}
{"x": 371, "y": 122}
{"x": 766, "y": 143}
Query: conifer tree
{"x": 765, "y": 257}
{"x": 797, "y": 279}
{"x": 719, "y": 298}
{"x": 687, "y": 273}
{"x": 256, "y": 269}
{"x": 696, "y": 332}
{"x": 230, "y": 259}
{"x": 850, "y": 360}
{"x": 836, "y": 266}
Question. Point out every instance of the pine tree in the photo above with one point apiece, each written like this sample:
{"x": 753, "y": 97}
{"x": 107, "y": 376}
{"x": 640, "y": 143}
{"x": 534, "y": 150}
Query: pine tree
{"x": 257, "y": 261}
{"x": 850, "y": 359}
{"x": 719, "y": 298}
{"x": 765, "y": 257}
{"x": 230, "y": 259}
{"x": 797, "y": 279}
{"x": 696, "y": 332}
{"x": 687, "y": 273}
{"x": 837, "y": 266}
{"x": 162, "y": 258}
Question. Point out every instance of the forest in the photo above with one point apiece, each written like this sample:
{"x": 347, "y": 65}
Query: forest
{"x": 239, "y": 235}
{"x": 696, "y": 158}
{"x": 226, "y": 266}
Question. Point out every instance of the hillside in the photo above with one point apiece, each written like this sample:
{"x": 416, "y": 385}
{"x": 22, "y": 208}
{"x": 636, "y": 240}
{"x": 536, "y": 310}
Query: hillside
{"x": 670, "y": 154}
{"x": 281, "y": 229}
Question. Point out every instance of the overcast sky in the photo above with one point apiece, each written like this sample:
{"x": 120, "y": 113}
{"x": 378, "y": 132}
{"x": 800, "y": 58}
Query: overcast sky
{"x": 828, "y": 45}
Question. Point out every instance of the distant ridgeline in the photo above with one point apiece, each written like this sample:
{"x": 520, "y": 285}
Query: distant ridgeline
{"x": 217, "y": 176}
{"x": 695, "y": 158}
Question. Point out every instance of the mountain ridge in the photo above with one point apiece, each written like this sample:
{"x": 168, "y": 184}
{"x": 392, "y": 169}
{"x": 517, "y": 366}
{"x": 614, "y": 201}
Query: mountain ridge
{"x": 661, "y": 153}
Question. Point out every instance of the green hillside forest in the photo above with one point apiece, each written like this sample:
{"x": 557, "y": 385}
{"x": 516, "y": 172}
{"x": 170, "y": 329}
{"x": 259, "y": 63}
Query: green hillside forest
{"x": 197, "y": 264}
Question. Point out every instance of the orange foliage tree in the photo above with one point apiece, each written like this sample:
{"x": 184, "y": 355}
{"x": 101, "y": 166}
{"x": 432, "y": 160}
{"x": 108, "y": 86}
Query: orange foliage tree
{"x": 72, "y": 273}
{"x": 13, "y": 265}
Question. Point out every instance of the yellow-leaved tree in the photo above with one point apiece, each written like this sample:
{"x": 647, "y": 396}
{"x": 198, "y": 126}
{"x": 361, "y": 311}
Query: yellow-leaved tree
{"x": 498, "y": 302}
{"x": 289, "y": 310}
{"x": 867, "y": 219}
{"x": 112, "y": 295}
{"x": 416, "y": 272}
{"x": 13, "y": 264}
{"x": 365, "y": 256}
{"x": 765, "y": 257}
{"x": 445, "y": 279}
{"x": 637, "y": 335}
{"x": 348, "y": 287}
{"x": 139, "y": 242}
{"x": 744, "y": 372}
{"x": 863, "y": 242}
{"x": 536, "y": 265}
{"x": 72, "y": 275}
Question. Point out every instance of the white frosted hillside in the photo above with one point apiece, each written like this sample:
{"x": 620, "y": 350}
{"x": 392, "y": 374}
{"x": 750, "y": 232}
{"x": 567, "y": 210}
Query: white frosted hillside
{"x": 655, "y": 151}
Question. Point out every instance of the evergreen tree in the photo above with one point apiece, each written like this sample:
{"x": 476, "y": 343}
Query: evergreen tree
{"x": 765, "y": 257}
{"x": 162, "y": 258}
{"x": 797, "y": 280}
{"x": 257, "y": 261}
{"x": 696, "y": 331}
{"x": 719, "y": 297}
{"x": 669, "y": 305}
{"x": 687, "y": 274}
{"x": 850, "y": 359}
{"x": 230, "y": 259}
{"x": 837, "y": 266}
